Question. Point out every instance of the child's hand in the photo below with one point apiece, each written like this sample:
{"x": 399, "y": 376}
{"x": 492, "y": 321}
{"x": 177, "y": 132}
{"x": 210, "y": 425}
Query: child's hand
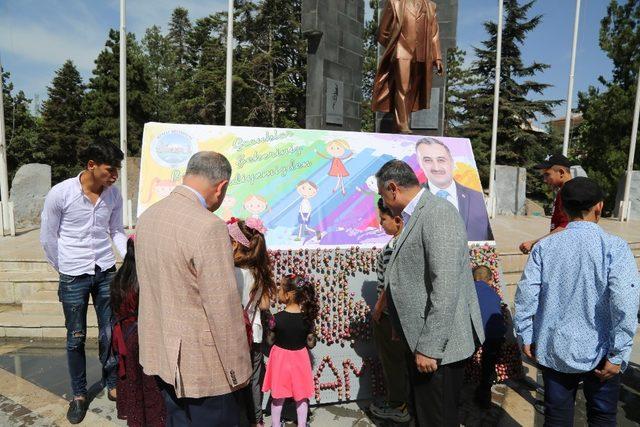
{"x": 311, "y": 341}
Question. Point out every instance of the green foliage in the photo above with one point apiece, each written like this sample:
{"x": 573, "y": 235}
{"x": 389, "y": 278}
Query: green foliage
{"x": 102, "y": 101}
{"x": 603, "y": 138}
{"x": 20, "y": 126}
{"x": 519, "y": 143}
{"x": 369, "y": 67}
{"x": 62, "y": 120}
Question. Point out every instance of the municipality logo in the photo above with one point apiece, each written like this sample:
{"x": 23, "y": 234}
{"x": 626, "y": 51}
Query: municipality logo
{"x": 173, "y": 149}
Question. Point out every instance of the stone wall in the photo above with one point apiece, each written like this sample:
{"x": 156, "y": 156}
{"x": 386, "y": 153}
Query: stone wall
{"x": 334, "y": 30}
{"x": 511, "y": 189}
{"x": 634, "y": 195}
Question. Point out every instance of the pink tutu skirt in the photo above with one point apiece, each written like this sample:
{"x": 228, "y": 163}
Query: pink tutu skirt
{"x": 289, "y": 374}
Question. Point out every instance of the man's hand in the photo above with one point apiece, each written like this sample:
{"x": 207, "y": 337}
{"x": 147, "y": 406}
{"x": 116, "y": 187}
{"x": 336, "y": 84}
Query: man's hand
{"x": 608, "y": 371}
{"x": 425, "y": 364}
{"x": 529, "y": 350}
{"x": 439, "y": 67}
{"x": 525, "y": 247}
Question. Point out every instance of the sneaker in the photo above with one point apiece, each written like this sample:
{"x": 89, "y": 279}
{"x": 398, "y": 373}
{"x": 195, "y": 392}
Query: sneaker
{"x": 77, "y": 411}
{"x": 399, "y": 414}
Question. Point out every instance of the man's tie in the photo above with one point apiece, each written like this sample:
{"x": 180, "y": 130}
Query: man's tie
{"x": 443, "y": 193}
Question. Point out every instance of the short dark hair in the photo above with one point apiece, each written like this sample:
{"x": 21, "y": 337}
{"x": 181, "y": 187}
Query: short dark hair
{"x": 384, "y": 210}
{"x": 102, "y": 153}
{"x": 211, "y": 165}
{"x": 482, "y": 272}
{"x": 399, "y": 172}
{"x": 306, "y": 181}
{"x": 432, "y": 141}
{"x": 579, "y": 196}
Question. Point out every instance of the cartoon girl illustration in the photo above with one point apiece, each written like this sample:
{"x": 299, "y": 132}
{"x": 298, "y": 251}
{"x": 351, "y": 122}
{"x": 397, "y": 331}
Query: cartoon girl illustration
{"x": 159, "y": 189}
{"x": 255, "y": 205}
{"x": 226, "y": 207}
{"x": 337, "y": 150}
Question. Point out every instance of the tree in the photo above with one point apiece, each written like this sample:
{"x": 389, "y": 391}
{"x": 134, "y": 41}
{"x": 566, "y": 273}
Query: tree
{"x": 518, "y": 142}
{"x": 603, "y": 138}
{"x": 160, "y": 57}
{"x": 179, "y": 30}
{"x": 369, "y": 67}
{"x": 62, "y": 121}
{"x": 102, "y": 102}
{"x": 460, "y": 81}
{"x": 20, "y": 127}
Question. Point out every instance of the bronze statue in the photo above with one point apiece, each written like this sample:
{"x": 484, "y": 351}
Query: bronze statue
{"x": 410, "y": 34}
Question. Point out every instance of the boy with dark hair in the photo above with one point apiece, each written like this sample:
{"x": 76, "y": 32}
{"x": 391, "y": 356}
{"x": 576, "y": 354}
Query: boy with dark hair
{"x": 556, "y": 171}
{"x": 576, "y": 308}
{"x": 494, "y": 331}
{"x": 391, "y": 350}
{"x": 81, "y": 217}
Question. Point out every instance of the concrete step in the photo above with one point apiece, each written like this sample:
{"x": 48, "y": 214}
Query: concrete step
{"x": 15, "y": 323}
{"x": 16, "y": 285}
{"x": 42, "y": 302}
{"x": 9, "y": 264}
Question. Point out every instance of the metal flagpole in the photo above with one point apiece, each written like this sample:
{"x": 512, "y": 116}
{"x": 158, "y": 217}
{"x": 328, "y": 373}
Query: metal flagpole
{"x": 4, "y": 175}
{"x": 496, "y": 103}
{"x": 624, "y": 214}
{"x": 123, "y": 114}
{"x": 569, "y": 116}
{"x": 227, "y": 104}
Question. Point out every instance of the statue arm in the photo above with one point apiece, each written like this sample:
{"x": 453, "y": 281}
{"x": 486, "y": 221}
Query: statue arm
{"x": 386, "y": 25}
{"x": 435, "y": 42}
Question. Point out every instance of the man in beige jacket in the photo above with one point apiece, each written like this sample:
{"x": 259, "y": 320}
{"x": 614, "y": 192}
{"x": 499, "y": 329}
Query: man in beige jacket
{"x": 191, "y": 327}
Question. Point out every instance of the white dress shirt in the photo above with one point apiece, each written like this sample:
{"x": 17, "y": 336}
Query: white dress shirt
{"x": 452, "y": 197}
{"x": 408, "y": 210}
{"x": 244, "y": 280}
{"x": 75, "y": 233}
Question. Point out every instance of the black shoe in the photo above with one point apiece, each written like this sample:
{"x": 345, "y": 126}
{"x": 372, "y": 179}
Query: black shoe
{"x": 77, "y": 411}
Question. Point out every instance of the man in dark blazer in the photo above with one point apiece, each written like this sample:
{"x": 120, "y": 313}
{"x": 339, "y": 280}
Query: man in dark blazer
{"x": 437, "y": 164}
{"x": 431, "y": 294}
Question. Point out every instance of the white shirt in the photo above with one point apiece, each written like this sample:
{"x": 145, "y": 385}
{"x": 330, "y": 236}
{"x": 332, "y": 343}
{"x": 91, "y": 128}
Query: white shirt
{"x": 244, "y": 280}
{"x": 75, "y": 233}
{"x": 408, "y": 210}
{"x": 452, "y": 197}
{"x": 305, "y": 206}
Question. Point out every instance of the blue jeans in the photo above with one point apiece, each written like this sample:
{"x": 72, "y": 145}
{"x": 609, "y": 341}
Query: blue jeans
{"x": 560, "y": 395}
{"x": 73, "y": 293}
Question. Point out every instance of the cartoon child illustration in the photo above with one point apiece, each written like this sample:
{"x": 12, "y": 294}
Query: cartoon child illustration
{"x": 337, "y": 150}
{"x": 371, "y": 188}
{"x": 307, "y": 190}
{"x": 255, "y": 205}
{"x": 226, "y": 209}
{"x": 159, "y": 189}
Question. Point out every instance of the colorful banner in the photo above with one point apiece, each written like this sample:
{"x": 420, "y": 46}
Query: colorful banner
{"x": 312, "y": 188}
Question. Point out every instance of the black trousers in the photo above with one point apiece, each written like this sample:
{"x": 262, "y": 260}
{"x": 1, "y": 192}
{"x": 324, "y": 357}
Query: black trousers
{"x": 220, "y": 411}
{"x": 436, "y": 396}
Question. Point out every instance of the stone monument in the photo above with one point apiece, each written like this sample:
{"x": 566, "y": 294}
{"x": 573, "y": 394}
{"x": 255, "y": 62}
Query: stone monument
{"x": 429, "y": 120}
{"x": 634, "y": 195}
{"x": 29, "y": 188}
{"x": 334, "y": 30}
{"x": 511, "y": 189}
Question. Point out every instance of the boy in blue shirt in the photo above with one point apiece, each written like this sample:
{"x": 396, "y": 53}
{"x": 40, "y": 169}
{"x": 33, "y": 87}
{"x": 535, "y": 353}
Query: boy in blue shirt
{"x": 494, "y": 331}
{"x": 576, "y": 308}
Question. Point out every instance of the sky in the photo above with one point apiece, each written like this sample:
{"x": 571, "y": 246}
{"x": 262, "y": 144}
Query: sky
{"x": 37, "y": 36}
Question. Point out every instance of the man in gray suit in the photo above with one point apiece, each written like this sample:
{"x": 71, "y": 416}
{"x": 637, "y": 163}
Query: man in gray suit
{"x": 432, "y": 297}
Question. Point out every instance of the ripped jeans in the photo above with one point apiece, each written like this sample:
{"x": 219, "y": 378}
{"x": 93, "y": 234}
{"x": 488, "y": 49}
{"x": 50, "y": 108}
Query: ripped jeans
{"x": 73, "y": 293}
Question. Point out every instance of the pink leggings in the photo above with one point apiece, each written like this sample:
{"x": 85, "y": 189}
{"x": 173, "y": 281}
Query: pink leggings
{"x": 302, "y": 407}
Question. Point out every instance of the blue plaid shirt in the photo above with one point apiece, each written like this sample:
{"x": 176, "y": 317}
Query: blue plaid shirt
{"x": 577, "y": 300}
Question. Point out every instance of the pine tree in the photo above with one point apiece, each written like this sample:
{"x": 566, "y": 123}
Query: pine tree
{"x": 369, "y": 67}
{"x": 101, "y": 104}
{"x": 21, "y": 133}
{"x": 160, "y": 57}
{"x": 460, "y": 81}
{"x": 179, "y": 29}
{"x": 518, "y": 143}
{"x": 62, "y": 121}
{"x": 603, "y": 138}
